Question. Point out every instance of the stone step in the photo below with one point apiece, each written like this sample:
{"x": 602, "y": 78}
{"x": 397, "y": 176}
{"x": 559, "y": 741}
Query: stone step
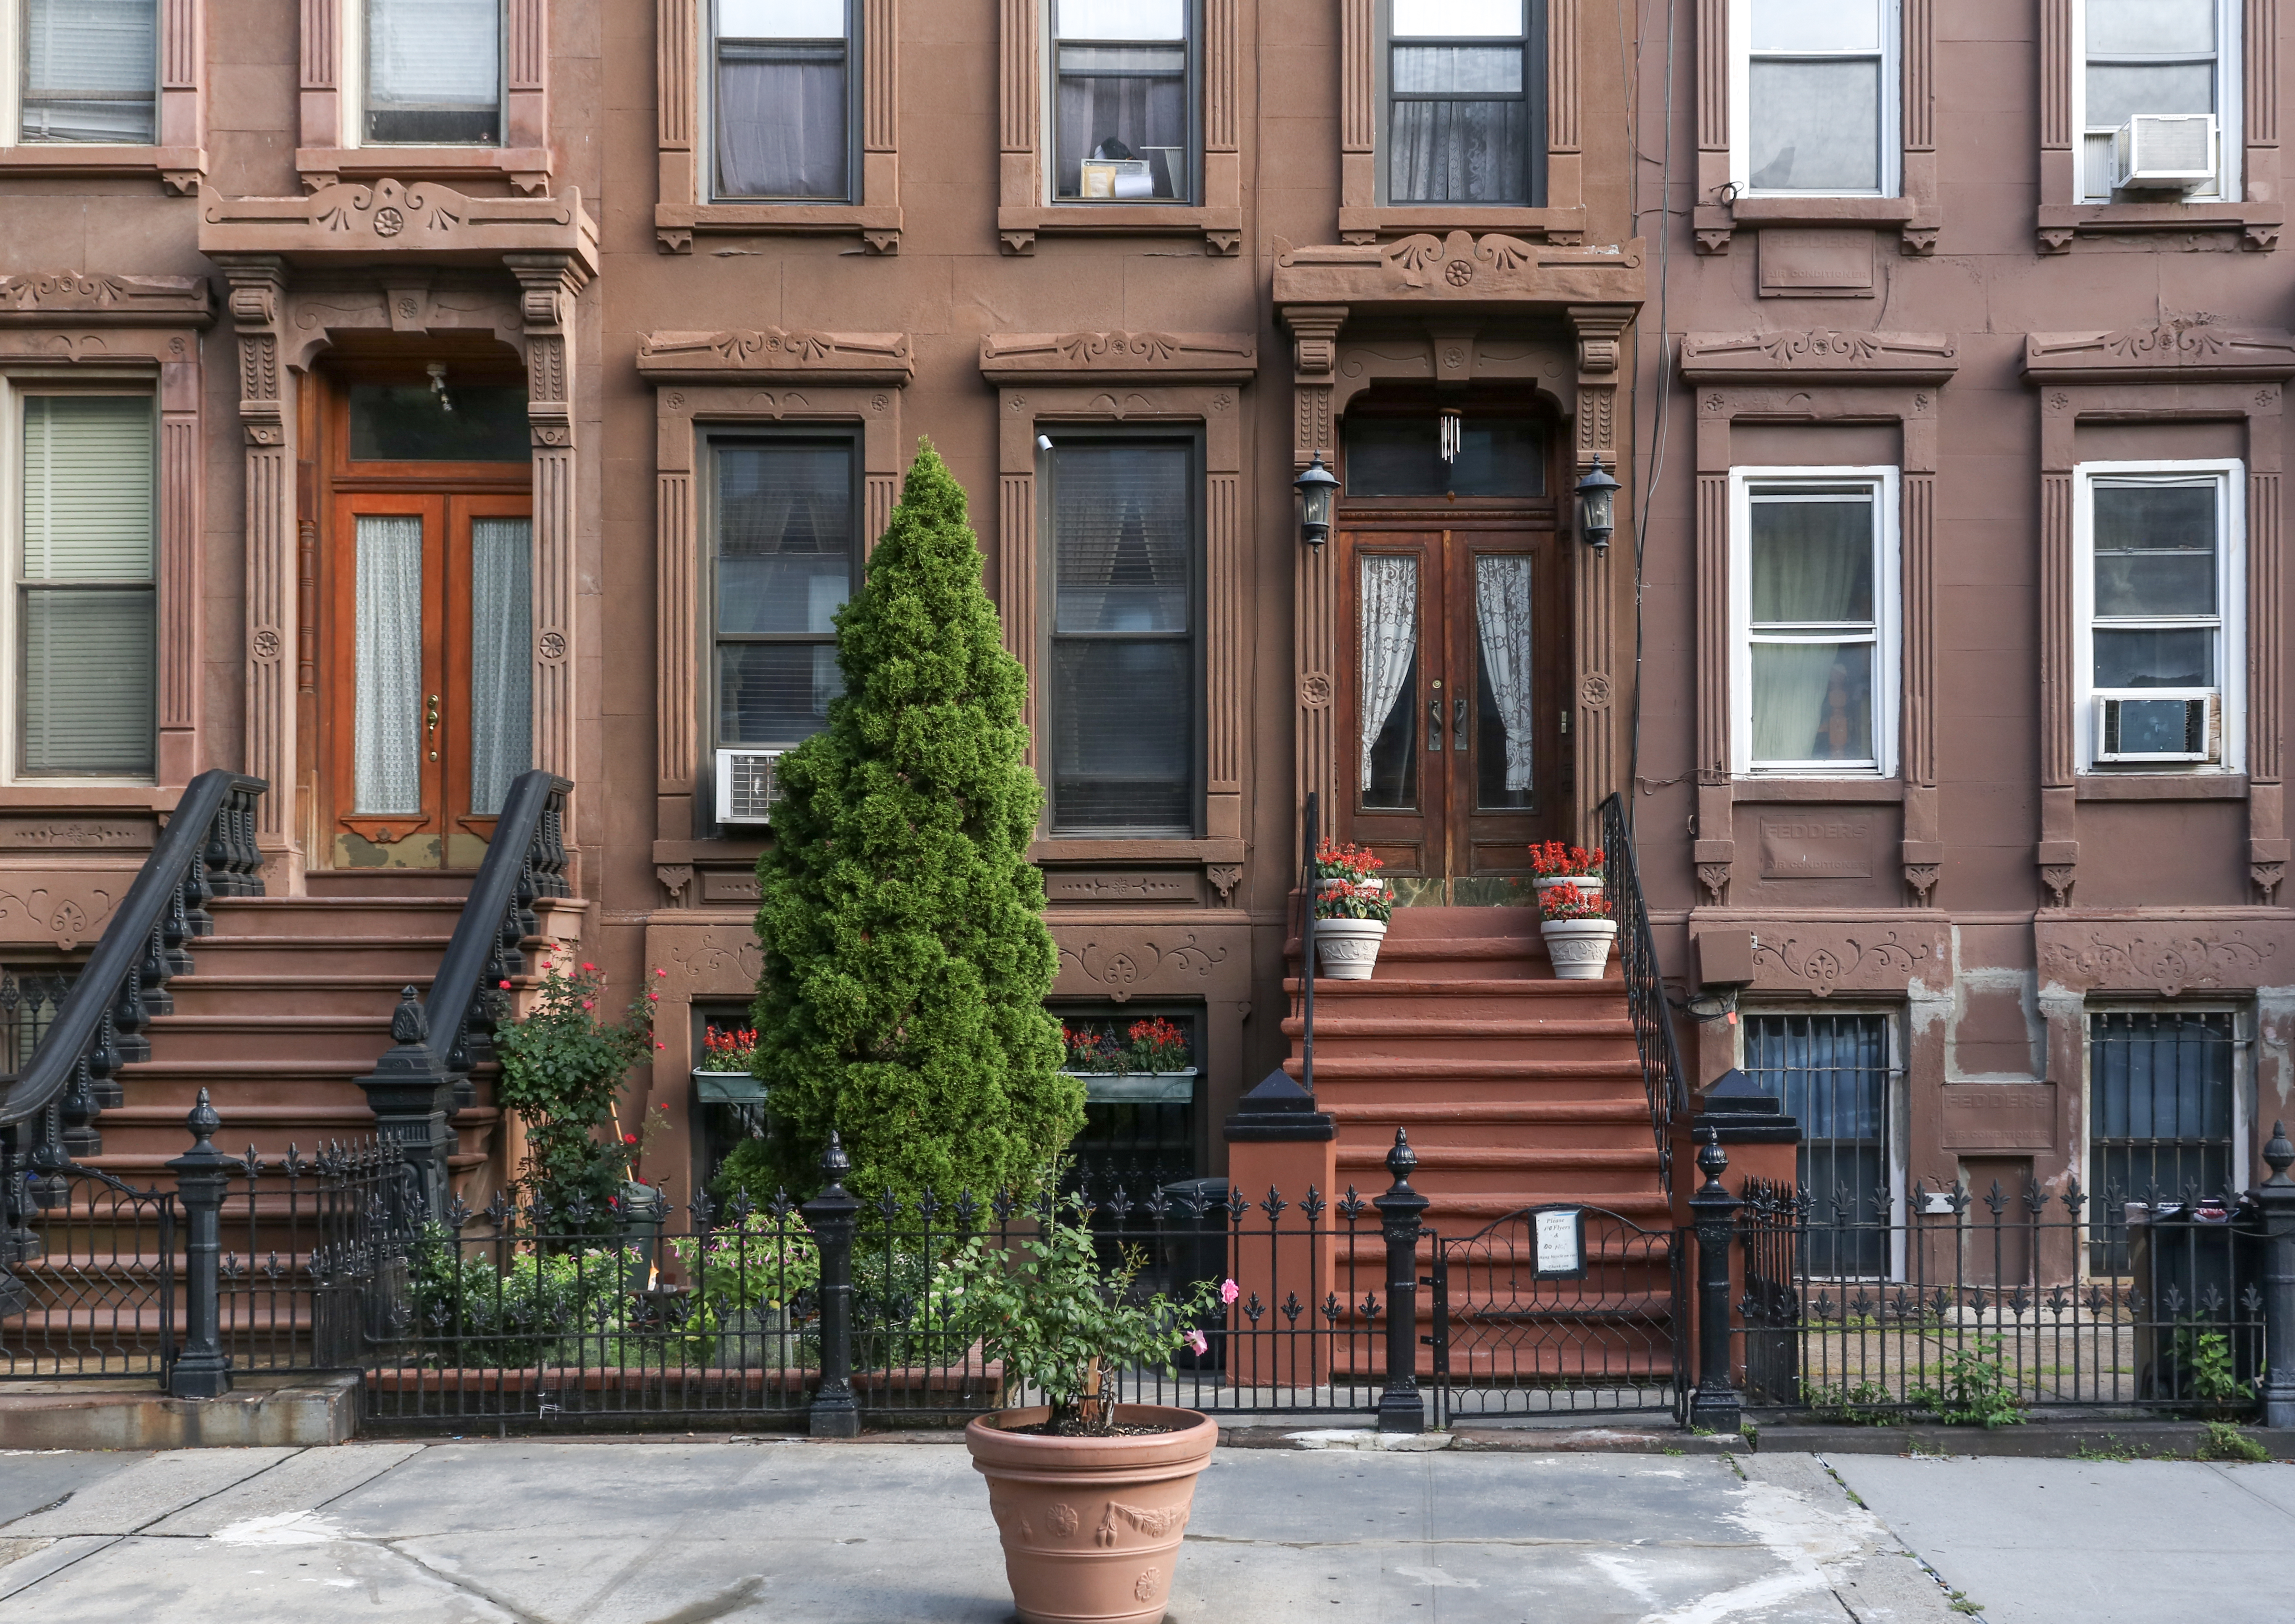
{"x": 252, "y": 996}
{"x": 367, "y": 917}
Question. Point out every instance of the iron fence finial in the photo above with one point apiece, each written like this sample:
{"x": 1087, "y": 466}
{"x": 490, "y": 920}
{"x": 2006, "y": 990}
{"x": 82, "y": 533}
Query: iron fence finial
{"x": 2279, "y": 1155}
{"x": 1402, "y": 1161}
{"x": 1713, "y": 1161}
{"x": 203, "y": 1121}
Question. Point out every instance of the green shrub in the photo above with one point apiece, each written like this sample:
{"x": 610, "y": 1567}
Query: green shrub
{"x": 545, "y": 1309}
{"x": 562, "y": 1066}
{"x": 2226, "y": 1441}
{"x": 1976, "y": 1392}
{"x": 906, "y": 959}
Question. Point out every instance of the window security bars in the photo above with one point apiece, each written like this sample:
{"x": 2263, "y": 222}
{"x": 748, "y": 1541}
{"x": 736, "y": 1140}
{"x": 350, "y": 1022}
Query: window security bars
{"x": 1992, "y": 1314}
{"x": 29, "y": 1002}
{"x": 2160, "y": 1109}
{"x": 1560, "y": 1310}
{"x": 1831, "y": 1074}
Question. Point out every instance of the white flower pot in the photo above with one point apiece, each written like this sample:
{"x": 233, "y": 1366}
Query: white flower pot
{"x": 1589, "y": 885}
{"x": 1325, "y": 887}
{"x": 1348, "y": 948}
{"x": 1579, "y": 948}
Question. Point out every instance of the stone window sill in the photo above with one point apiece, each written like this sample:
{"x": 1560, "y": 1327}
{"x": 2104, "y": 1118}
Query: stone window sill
{"x": 1714, "y": 223}
{"x": 1069, "y": 848}
{"x": 1563, "y": 227}
{"x": 2058, "y": 224}
{"x": 528, "y": 169}
{"x": 179, "y": 168}
{"x": 676, "y": 224}
{"x": 1221, "y": 229}
{"x": 1872, "y": 790}
{"x": 2161, "y": 786}
{"x": 58, "y": 796}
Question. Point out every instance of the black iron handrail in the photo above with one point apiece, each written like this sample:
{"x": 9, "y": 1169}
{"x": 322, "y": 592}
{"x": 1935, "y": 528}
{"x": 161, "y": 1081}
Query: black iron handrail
{"x": 207, "y": 850}
{"x": 437, "y": 1041}
{"x": 1663, "y": 1081}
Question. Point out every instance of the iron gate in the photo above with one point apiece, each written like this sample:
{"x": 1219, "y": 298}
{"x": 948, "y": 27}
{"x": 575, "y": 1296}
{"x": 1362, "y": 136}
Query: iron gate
{"x": 1554, "y": 1309}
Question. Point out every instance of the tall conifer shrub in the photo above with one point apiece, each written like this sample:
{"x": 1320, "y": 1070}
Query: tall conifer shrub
{"x": 906, "y": 959}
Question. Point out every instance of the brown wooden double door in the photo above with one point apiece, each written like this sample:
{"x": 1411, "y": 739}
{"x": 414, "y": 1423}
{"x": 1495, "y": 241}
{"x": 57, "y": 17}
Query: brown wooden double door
{"x": 1453, "y": 703}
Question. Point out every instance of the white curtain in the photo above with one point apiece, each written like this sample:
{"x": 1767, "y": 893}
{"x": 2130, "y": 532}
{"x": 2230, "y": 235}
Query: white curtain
{"x": 1791, "y": 685}
{"x": 387, "y": 712}
{"x": 1812, "y": 566}
{"x": 502, "y": 659}
{"x": 1502, "y": 614}
{"x": 434, "y": 53}
{"x": 1389, "y": 613}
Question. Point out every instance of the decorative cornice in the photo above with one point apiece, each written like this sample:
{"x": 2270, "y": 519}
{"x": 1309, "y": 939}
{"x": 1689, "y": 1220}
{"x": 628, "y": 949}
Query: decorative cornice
{"x": 776, "y": 355}
{"x": 105, "y": 299}
{"x": 423, "y": 221}
{"x": 2164, "y": 956}
{"x": 2184, "y": 351}
{"x": 1115, "y": 357}
{"x": 1459, "y": 269}
{"x": 1883, "y": 358}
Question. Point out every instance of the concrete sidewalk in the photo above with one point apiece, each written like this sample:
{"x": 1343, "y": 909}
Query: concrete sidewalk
{"x": 688, "y": 1531}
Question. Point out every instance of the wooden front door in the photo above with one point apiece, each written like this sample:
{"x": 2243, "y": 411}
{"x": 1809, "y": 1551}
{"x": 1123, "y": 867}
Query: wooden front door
{"x": 430, "y": 673}
{"x": 1452, "y": 705}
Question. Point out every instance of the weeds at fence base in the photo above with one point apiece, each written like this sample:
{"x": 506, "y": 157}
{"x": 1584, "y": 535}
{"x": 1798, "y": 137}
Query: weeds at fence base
{"x": 2226, "y": 1441}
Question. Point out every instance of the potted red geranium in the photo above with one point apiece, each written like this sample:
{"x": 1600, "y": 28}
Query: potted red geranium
{"x": 1352, "y": 906}
{"x": 1151, "y": 1066}
{"x": 1555, "y": 864}
{"x": 1578, "y": 929}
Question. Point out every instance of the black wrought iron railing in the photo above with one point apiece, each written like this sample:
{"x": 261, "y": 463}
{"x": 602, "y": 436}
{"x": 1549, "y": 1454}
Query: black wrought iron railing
{"x": 48, "y": 1114}
{"x": 438, "y": 1041}
{"x": 1661, "y": 1054}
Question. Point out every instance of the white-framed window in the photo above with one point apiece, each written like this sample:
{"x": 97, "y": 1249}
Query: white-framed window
{"x": 79, "y": 72}
{"x": 2159, "y": 652}
{"x": 2146, "y": 57}
{"x": 1813, "y": 98}
{"x": 1123, "y": 107}
{"x": 430, "y": 73}
{"x": 1814, "y": 615}
{"x": 1464, "y": 85}
{"x": 784, "y": 98}
{"x": 81, "y": 633}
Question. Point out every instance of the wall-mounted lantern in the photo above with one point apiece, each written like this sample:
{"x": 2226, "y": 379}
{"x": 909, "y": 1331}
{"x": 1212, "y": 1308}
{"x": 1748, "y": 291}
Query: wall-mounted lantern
{"x": 1316, "y": 487}
{"x": 1597, "y": 496}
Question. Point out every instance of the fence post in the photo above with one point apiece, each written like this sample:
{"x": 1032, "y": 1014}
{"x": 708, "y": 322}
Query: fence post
{"x": 202, "y": 1174}
{"x": 1399, "y": 1408}
{"x": 1717, "y": 1405}
{"x": 2277, "y": 1196}
{"x": 831, "y": 1215}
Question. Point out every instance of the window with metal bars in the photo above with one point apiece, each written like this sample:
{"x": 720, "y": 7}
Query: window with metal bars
{"x": 30, "y": 1000}
{"x": 2159, "y": 1105}
{"x": 1831, "y": 1074}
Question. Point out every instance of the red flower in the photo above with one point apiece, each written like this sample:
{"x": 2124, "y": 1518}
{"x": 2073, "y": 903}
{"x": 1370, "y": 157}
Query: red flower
{"x": 629, "y": 1139}
{"x": 505, "y": 986}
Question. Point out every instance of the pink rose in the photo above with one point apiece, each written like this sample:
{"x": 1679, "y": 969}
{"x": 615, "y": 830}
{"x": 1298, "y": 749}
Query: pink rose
{"x": 1196, "y": 1340}
{"x": 1230, "y": 1291}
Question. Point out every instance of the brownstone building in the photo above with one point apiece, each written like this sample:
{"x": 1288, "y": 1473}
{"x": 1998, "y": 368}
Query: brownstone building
{"x": 403, "y": 394}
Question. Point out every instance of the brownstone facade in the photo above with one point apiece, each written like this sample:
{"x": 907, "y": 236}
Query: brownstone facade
{"x": 1974, "y": 338}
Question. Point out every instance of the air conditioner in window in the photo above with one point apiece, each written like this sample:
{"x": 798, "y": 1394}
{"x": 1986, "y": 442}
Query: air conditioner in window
{"x": 746, "y": 785}
{"x": 2159, "y": 727}
{"x": 2164, "y": 152}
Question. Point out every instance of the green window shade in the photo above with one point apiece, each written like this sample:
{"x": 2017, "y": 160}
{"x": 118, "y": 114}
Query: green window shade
{"x": 87, "y": 636}
{"x": 87, "y": 488}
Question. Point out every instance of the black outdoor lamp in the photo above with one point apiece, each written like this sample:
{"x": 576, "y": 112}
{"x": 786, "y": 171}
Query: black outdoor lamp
{"x": 1316, "y": 488}
{"x": 1599, "y": 492}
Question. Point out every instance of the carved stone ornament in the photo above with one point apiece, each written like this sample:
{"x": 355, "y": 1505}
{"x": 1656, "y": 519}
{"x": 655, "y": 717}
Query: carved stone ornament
{"x": 107, "y": 299}
{"x": 1715, "y": 877}
{"x": 1426, "y": 269}
{"x": 676, "y": 879}
{"x": 712, "y": 962}
{"x": 2191, "y": 348}
{"x": 775, "y": 354}
{"x": 1168, "y": 357}
{"x": 1894, "y": 357}
{"x": 1315, "y": 691}
{"x": 1122, "y": 968}
{"x": 267, "y": 646}
{"x": 553, "y": 645}
{"x": 1823, "y": 965}
{"x": 398, "y": 218}
{"x": 2166, "y": 957}
{"x": 1594, "y": 692}
{"x": 66, "y": 909}
{"x": 1224, "y": 877}
{"x": 2058, "y": 878}
{"x": 2267, "y": 877}
{"x": 1921, "y": 878}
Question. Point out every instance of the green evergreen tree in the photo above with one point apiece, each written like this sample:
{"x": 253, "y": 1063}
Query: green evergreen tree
{"x": 906, "y": 957}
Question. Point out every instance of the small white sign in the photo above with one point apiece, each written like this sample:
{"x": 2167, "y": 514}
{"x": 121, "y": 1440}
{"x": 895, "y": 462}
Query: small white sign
{"x": 1557, "y": 1242}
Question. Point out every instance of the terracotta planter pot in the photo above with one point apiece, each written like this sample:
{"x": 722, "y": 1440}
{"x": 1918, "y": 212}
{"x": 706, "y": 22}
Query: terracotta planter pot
{"x": 1092, "y": 1526}
{"x": 1348, "y": 948}
{"x": 1579, "y": 948}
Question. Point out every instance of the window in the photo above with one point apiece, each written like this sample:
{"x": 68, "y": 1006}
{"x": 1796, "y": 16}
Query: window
{"x": 88, "y": 71}
{"x": 2160, "y": 1109}
{"x": 786, "y": 558}
{"x": 2156, "y": 639}
{"x": 1126, "y": 686}
{"x": 1466, "y": 103}
{"x": 1813, "y": 599}
{"x": 84, "y": 626}
{"x": 1813, "y": 98}
{"x": 783, "y": 99}
{"x": 1830, "y": 1072}
{"x": 1124, "y": 101}
{"x": 2154, "y": 56}
{"x": 1403, "y": 455}
{"x": 434, "y": 73}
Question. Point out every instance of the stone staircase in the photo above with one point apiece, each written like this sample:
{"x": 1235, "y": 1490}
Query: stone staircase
{"x": 1517, "y": 1090}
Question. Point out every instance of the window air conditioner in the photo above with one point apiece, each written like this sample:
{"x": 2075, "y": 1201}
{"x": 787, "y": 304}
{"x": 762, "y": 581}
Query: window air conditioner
{"x": 2174, "y": 727}
{"x": 2170, "y": 151}
{"x": 747, "y": 786}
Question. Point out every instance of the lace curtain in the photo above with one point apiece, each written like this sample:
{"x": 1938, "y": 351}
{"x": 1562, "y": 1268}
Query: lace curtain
{"x": 1812, "y": 566}
{"x": 1389, "y": 615}
{"x": 386, "y": 708}
{"x": 1502, "y": 616}
{"x": 502, "y": 659}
